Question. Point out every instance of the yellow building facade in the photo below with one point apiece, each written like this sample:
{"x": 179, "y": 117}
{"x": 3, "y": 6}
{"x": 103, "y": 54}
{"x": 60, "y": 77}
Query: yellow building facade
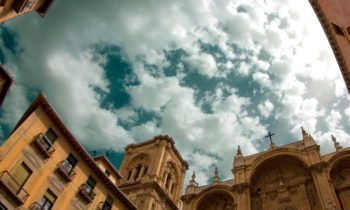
{"x": 42, "y": 166}
{"x": 12, "y": 8}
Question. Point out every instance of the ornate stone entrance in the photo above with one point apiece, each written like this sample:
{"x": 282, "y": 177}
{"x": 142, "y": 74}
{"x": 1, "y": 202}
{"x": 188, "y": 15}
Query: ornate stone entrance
{"x": 218, "y": 200}
{"x": 340, "y": 176}
{"x": 283, "y": 183}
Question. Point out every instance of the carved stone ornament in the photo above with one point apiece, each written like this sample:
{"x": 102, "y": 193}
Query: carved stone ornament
{"x": 318, "y": 167}
{"x": 240, "y": 187}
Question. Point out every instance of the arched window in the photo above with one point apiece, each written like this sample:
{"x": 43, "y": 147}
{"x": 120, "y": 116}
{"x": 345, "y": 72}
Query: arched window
{"x": 129, "y": 175}
{"x": 168, "y": 181}
{"x": 137, "y": 174}
{"x": 145, "y": 171}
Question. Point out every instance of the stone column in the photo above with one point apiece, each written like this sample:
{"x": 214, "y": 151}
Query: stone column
{"x": 141, "y": 171}
{"x": 243, "y": 196}
{"x": 170, "y": 185}
{"x": 324, "y": 188}
{"x": 132, "y": 177}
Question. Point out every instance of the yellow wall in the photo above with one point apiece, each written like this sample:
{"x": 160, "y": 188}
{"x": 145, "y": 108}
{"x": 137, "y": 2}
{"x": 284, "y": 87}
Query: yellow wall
{"x": 18, "y": 148}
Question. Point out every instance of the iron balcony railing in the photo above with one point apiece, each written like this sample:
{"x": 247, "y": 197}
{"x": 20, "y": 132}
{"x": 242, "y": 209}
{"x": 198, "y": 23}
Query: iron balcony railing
{"x": 44, "y": 145}
{"x": 87, "y": 192}
{"x": 66, "y": 170}
{"x": 14, "y": 189}
{"x": 103, "y": 206}
{"x": 35, "y": 206}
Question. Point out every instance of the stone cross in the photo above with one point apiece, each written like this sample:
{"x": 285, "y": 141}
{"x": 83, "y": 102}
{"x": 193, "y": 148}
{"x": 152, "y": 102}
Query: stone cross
{"x": 272, "y": 145}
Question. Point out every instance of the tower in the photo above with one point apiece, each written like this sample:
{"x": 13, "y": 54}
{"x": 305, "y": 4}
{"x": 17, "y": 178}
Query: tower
{"x": 335, "y": 19}
{"x": 153, "y": 174}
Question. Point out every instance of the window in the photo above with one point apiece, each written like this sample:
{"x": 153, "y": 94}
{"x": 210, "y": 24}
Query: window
{"x": 129, "y": 174}
{"x": 29, "y": 4}
{"x": 90, "y": 185}
{"x": 2, "y": 207}
{"x": 49, "y": 138}
{"x": 22, "y": 174}
{"x": 2, "y": 3}
{"x": 338, "y": 30}
{"x": 107, "y": 173}
{"x": 48, "y": 200}
{"x": 137, "y": 174}
{"x": 107, "y": 205}
{"x": 70, "y": 163}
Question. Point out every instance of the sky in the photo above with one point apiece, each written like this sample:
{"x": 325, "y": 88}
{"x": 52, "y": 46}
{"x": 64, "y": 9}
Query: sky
{"x": 212, "y": 74}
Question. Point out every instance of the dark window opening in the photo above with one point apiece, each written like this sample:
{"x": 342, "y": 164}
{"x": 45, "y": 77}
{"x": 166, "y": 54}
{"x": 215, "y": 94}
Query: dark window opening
{"x": 144, "y": 173}
{"x": 138, "y": 169}
{"x": 107, "y": 205}
{"x": 348, "y": 29}
{"x": 338, "y": 30}
{"x": 107, "y": 173}
{"x": 70, "y": 163}
{"x": 2, "y": 207}
{"x": 48, "y": 140}
{"x": 48, "y": 200}
{"x": 129, "y": 174}
{"x": 90, "y": 184}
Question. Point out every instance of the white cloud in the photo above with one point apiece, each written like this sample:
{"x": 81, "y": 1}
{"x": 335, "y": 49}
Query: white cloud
{"x": 56, "y": 50}
{"x": 266, "y": 108}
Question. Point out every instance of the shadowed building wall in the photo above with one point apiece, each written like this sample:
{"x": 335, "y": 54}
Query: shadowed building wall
{"x": 334, "y": 16}
{"x": 12, "y": 8}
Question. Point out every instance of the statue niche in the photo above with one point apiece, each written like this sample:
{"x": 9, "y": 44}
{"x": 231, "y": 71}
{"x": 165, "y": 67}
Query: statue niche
{"x": 283, "y": 183}
{"x": 217, "y": 201}
{"x": 340, "y": 176}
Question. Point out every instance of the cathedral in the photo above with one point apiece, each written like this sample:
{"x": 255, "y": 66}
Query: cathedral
{"x": 43, "y": 166}
{"x": 290, "y": 177}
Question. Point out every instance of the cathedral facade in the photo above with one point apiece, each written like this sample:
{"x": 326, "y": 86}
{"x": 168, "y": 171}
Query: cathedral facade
{"x": 291, "y": 177}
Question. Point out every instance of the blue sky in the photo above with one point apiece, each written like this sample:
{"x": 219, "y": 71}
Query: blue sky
{"x": 211, "y": 74}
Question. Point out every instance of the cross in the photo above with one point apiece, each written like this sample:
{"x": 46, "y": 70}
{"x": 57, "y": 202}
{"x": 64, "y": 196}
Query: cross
{"x": 270, "y": 135}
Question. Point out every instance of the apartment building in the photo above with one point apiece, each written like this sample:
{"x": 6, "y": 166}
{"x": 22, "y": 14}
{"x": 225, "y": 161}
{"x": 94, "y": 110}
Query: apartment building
{"x": 43, "y": 166}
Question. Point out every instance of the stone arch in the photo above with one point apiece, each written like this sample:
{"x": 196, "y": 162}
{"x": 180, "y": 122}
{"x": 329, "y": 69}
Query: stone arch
{"x": 171, "y": 177}
{"x": 335, "y": 158}
{"x": 283, "y": 181}
{"x": 293, "y": 153}
{"x": 339, "y": 174}
{"x": 138, "y": 167}
{"x": 217, "y": 197}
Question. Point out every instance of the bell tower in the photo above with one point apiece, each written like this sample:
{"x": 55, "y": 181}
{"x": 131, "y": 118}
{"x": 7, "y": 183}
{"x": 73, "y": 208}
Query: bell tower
{"x": 153, "y": 174}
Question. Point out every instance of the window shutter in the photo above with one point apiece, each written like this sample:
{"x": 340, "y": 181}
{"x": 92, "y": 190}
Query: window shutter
{"x": 18, "y": 5}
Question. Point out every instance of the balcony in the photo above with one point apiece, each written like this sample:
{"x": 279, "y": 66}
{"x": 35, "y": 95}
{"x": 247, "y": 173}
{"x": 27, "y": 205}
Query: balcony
{"x": 103, "y": 206}
{"x": 66, "y": 170}
{"x": 35, "y": 206}
{"x": 14, "y": 189}
{"x": 87, "y": 193}
{"x": 44, "y": 145}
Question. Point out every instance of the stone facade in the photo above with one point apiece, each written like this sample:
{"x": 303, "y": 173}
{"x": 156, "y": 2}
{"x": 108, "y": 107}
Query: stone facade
{"x": 291, "y": 177}
{"x": 154, "y": 173}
